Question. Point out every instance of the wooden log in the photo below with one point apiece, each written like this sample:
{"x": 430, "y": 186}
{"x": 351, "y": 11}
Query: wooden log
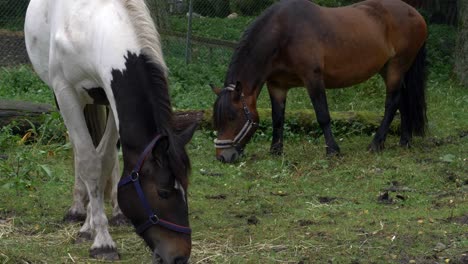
{"x": 22, "y": 113}
{"x": 304, "y": 121}
{"x": 300, "y": 121}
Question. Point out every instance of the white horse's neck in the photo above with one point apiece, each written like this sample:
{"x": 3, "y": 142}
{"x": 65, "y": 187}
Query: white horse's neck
{"x": 147, "y": 35}
{"x": 118, "y": 28}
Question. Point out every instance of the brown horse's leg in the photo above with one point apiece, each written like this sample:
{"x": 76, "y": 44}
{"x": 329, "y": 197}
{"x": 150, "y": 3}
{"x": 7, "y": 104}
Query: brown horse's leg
{"x": 405, "y": 132}
{"x": 393, "y": 81}
{"x": 278, "y": 105}
{"x": 316, "y": 90}
{"x": 391, "y": 105}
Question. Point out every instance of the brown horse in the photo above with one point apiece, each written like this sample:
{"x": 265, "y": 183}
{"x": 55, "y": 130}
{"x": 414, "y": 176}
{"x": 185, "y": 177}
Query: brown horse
{"x": 297, "y": 43}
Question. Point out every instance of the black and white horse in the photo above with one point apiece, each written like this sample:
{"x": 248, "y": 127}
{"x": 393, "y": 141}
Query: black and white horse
{"x": 103, "y": 52}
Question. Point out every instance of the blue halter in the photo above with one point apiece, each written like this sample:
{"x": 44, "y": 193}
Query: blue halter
{"x": 153, "y": 219}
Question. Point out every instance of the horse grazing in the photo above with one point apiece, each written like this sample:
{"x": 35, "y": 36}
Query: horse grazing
{"x": 108, "y": 52}
{"x": 297, "y": 43}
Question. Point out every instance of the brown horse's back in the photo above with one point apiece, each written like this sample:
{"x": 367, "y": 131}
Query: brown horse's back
{"x": 346, "y": 45}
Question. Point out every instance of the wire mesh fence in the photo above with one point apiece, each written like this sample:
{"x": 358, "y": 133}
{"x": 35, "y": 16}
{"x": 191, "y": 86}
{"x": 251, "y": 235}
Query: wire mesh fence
{"x": 12, "y": 48}
{"x": 203, "y": 31}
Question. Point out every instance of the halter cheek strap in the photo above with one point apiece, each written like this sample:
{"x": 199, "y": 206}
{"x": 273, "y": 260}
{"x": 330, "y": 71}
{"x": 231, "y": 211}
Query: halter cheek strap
{"x": 249, "y": 124}
{"x": 153, "y": 218}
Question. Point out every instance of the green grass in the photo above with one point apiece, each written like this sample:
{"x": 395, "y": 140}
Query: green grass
{"x": 287, "y": 196}
{"x": 297, "y": 207}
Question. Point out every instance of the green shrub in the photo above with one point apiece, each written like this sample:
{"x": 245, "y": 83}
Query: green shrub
{"x": 441, "y": 46}
{"x": 12, "y": 14}
{"x": 250, "y": 7}
{"x": 212, "y": 8}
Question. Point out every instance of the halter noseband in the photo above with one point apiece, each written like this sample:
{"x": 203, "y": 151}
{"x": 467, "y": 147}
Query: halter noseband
{"x": 153, "y": 218}
{"x": 249, "y": 124}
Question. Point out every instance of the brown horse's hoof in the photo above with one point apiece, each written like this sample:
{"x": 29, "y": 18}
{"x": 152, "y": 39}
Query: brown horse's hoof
{"x": 405, "y": 144}
{"x": 104, "y": 253}
{"x": 276, "y": 150}
{"x": 83, "y": 237}
{"x": 119, "y": 220}
{"x": 376, "y": 147}
{"x": 331, "y": 152}
{"x": 74, "y": 217}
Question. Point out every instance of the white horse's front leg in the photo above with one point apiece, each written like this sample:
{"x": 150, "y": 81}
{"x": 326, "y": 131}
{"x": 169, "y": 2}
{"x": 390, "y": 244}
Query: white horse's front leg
{"x": 77, "y": 211}
{"x": 89, "y": 167}
{"x": 118, "y": 218}
{"x": 107, "y": 149}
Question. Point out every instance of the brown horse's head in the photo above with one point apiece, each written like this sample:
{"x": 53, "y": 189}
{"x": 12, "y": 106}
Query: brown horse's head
{"x": 153, "y": 196}
{"x": 236, "y": 119}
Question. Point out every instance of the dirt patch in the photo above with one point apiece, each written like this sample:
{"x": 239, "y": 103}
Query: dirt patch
{"x": 211, "y": 173}
{"x": 462, "y": 220}
{"x": 306, "y": 222}
{"x": 396, "y": 186}
{"x": 428, "y": 161}
{"x": 463, "y": 259}
{"x": 216, "y": 197}
{"x": 437, "y": 142}
{"x": 279, "y": 193}
{"x": 463, "y": 134}
{"x": 326, "y": 200}
{"x": 252, "y": 220}
{"x": 386, "y": 198}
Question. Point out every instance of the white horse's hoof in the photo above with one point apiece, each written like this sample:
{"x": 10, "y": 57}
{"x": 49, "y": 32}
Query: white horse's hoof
{"x": 104, "y": 253}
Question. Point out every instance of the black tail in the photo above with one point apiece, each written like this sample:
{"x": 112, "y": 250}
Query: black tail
{"x": 413, "y": 98}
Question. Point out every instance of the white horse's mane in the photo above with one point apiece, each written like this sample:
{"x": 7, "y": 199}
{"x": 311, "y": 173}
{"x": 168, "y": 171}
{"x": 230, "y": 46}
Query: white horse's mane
{"x": 147, "y": 34}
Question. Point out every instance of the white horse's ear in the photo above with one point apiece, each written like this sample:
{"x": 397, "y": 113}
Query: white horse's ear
{"x": 215, "y": 89}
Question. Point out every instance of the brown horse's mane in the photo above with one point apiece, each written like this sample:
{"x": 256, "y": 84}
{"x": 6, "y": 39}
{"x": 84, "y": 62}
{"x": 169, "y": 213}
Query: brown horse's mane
{"x": 253, "y": 51}
{"x": 248, "y": 64}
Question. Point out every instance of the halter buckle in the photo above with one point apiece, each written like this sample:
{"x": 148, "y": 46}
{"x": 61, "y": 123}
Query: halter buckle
{"x": 154, "y": 219}
{"x": 134, "y": 176}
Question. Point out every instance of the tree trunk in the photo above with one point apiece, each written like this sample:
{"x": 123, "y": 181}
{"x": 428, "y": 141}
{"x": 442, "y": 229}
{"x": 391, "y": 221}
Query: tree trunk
{"x": 442, "y": 11}
{"x": 461, "y": 57}
{"x": 301, "y": 121}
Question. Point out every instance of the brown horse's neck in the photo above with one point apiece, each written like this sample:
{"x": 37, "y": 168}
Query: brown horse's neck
{"x": 252, "y": 61}
{"x": 249, "y": 74}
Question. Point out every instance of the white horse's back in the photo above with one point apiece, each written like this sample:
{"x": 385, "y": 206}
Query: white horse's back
{"x": 79, "y": 39}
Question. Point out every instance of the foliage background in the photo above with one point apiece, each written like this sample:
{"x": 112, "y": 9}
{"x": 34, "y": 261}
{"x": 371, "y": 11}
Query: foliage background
{"x": 297, "y": 208}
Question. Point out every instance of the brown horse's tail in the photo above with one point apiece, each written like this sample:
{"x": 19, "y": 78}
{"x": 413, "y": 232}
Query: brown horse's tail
{"x": 413, "y": 98}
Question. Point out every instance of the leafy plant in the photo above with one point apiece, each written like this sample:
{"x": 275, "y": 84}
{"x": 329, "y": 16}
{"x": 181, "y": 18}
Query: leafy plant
{"x": 23, "y": 172}
{"x": 23, "y": 83}
{"x": 51, "y": 130}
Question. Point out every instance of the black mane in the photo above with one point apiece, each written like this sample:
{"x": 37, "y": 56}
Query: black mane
{"x": 254, "y": 49}
{"x": 223, "y": 108}
{"x": 144, "y": 109}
